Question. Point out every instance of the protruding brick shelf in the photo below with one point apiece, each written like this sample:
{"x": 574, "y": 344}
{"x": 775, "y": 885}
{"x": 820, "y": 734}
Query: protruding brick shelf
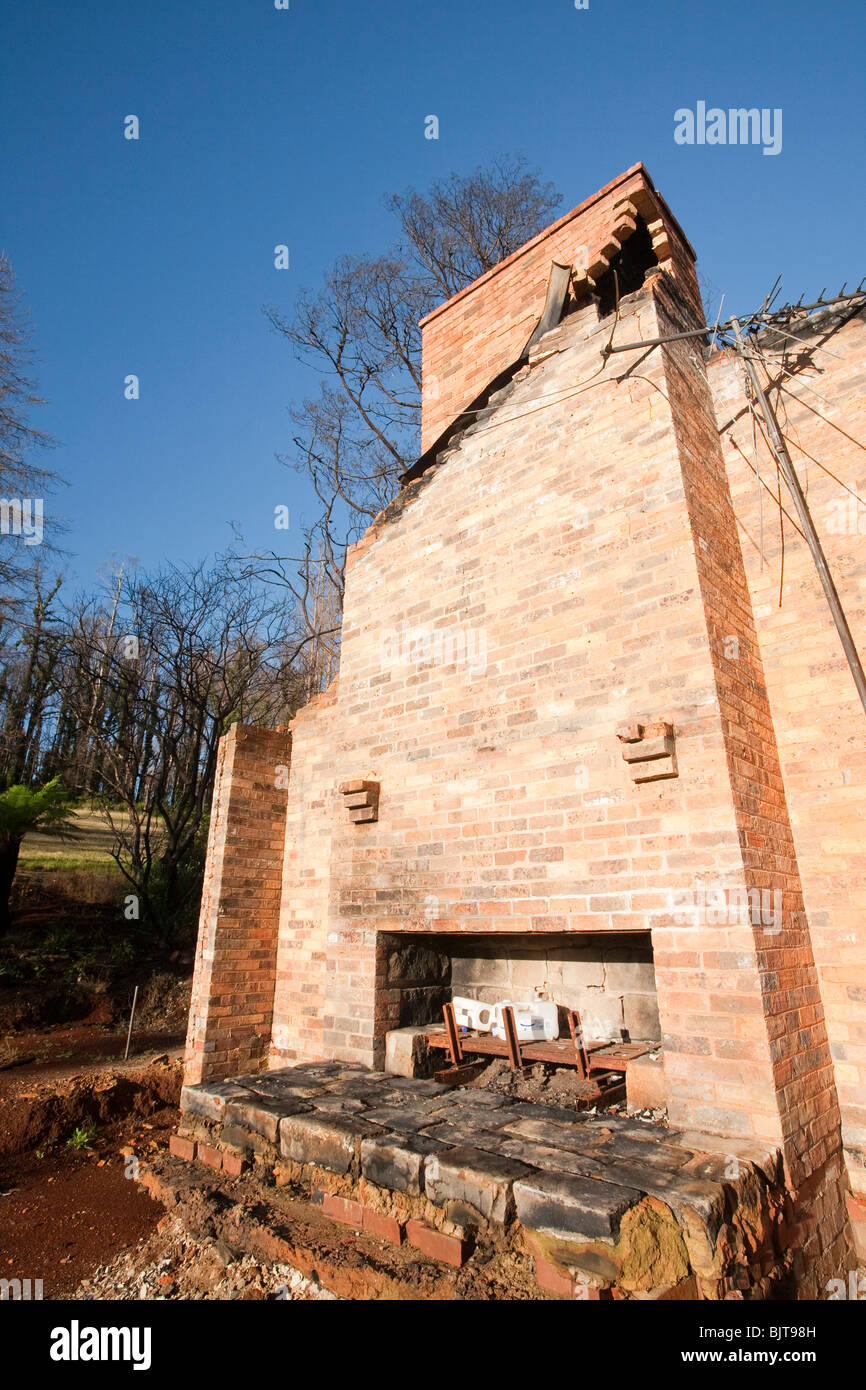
{"x": 649, "y": 750}
{"x": 361, "y": 800}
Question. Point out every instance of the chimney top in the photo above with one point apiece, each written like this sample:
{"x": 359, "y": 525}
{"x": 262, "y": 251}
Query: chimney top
{"x": 478, "y": 333}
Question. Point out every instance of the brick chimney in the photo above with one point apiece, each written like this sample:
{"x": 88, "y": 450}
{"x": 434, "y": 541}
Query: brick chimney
{"x": 551, "y": 729}
{"x": 481, "y": 331}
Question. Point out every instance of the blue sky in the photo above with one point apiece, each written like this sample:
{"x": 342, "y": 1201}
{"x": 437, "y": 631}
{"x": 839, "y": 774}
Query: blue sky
{"x": 262, "y": 126}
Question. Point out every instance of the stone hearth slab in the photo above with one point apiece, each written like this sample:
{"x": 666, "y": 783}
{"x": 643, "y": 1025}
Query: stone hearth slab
{"x": 568, "y": 1174}
{"x": 396, "y": 1161}
{"x": 565, "y": 1206}
{"x": 479, "y": 1179}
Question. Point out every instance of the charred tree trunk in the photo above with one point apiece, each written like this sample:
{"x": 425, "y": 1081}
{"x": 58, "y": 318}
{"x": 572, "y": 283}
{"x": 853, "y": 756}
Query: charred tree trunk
{"x": 9, "y": 851}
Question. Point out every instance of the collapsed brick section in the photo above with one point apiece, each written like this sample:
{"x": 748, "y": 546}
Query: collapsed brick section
{"x": 566, "y": 576}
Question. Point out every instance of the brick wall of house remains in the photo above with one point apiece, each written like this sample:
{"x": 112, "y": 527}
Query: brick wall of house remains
{"x": 609, "y": 766}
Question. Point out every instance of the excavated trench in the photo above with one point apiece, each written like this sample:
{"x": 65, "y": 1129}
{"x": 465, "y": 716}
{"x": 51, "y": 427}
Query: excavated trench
{"x": 69, "y": 1147}
{"x": 38, "y": 1114}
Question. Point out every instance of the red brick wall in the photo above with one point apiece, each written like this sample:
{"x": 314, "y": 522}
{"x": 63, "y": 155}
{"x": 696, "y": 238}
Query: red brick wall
{"x": 818, "y": 718}
{"x": 576, "y": 564}
{"x": 607, "y": 583}
{"x": 505, "y": 803}
{"x": 784, "y": 1019}
{"x": 299, "y": 999}
{"x": 231, "y": 1011}
{"x": 471, "y": 338}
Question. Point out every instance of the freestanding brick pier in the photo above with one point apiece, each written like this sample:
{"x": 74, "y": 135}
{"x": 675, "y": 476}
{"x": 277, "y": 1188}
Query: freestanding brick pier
{"x": 231, "y": 1016}
{"x": 586, "y": 563}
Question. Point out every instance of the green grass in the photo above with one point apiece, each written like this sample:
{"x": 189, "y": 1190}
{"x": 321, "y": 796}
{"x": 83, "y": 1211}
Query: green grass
{"x": 50, "y": 860}
{"x": 89, "y": 848}
{"x": 82, "y": 1136}
{"x": 91, "y": 845}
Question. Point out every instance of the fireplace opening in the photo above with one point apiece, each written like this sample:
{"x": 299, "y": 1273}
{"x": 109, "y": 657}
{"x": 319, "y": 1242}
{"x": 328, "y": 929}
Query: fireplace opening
{"x": 609, "y": 979}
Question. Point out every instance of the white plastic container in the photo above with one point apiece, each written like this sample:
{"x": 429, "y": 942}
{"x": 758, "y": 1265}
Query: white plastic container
{"x": 537, "y": 1021}
{"x": 471, "y": 1013}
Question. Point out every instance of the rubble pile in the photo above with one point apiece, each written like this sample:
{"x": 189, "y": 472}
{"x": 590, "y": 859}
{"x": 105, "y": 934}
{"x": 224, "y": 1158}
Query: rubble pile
{"x": 172, "y": 1264}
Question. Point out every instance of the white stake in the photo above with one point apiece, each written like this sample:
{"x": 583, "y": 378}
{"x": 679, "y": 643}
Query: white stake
{"x": 131, "y": 1017}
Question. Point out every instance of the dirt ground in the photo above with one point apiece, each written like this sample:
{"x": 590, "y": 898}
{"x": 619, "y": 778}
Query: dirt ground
{"x": 53, "y": 1053}
{"x": 69, "y": 1104}
{"x": 64, "y": 1214}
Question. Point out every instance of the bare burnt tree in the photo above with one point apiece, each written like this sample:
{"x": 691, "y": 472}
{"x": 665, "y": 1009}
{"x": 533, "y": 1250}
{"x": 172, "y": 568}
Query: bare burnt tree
{"x": 360, "y": 332}
{"x": 315, "y": 583}
{"x": 193, "y": 650}
{"x": 22, "y": 482}
{"x": 32, "y": 646}
{"x": 125, "y": 696}
{"x": 465, "y": 225}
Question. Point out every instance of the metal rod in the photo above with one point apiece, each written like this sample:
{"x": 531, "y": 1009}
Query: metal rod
{"x": 716, "y": 329}
{"x": 575, "y": 1027}
{"x": 452, "y": 1033}
{"x": 511, "y": 1039}
{"x": 813, "y": 541}
{"x": 761, "y": 318}
{"x": 654, "y": 342}
{"x": 131, "y": 1017}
